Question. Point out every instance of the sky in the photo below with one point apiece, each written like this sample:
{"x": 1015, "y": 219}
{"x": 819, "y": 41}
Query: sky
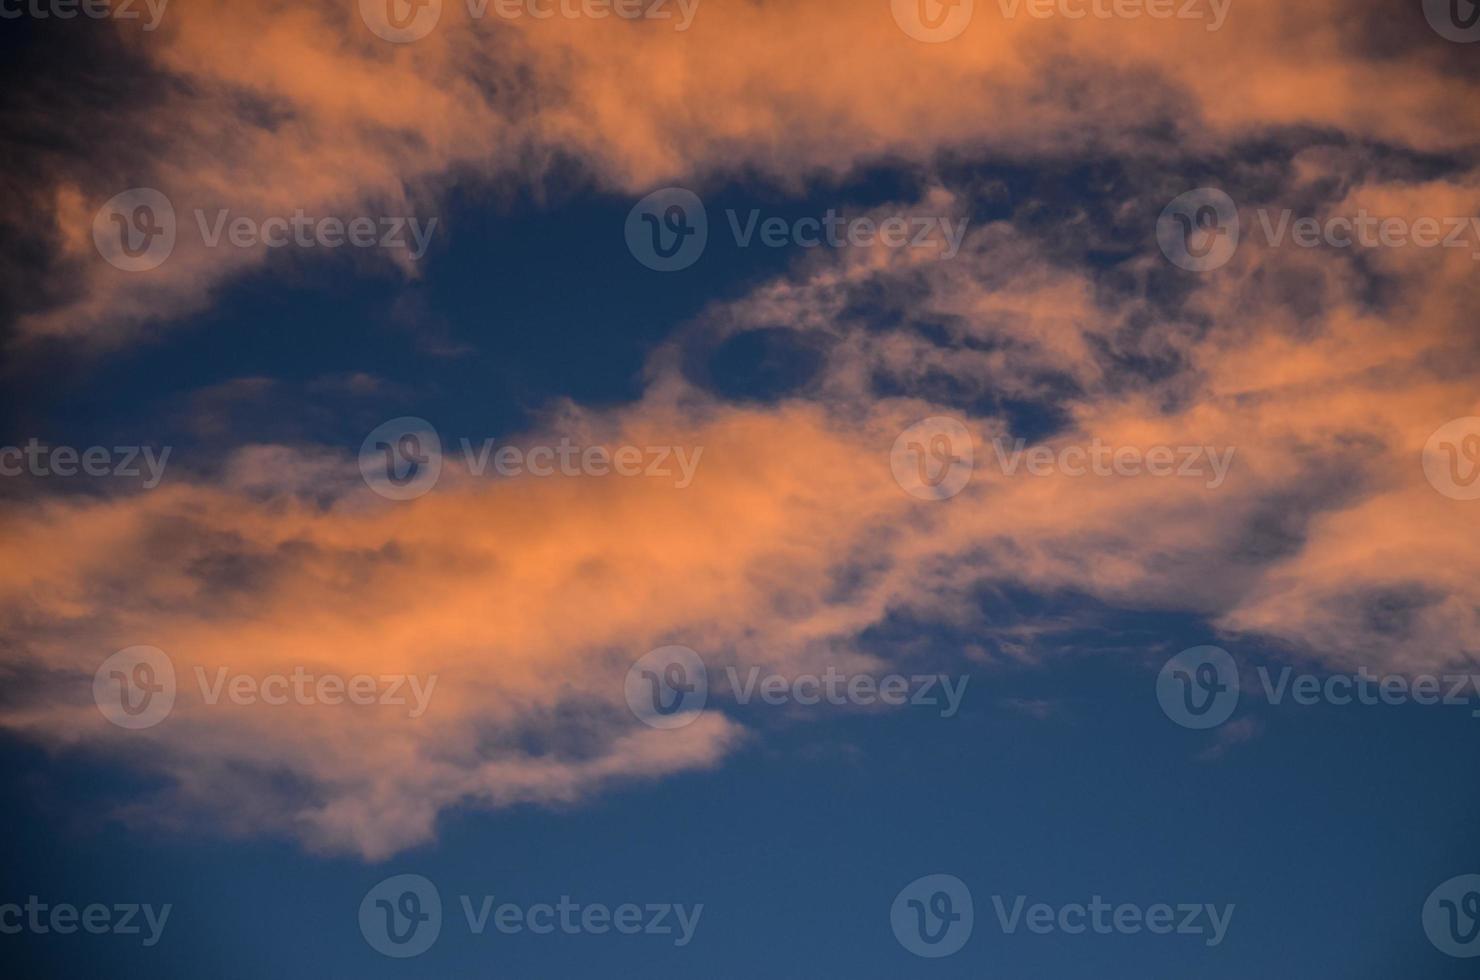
{"x": 549, "y": 488}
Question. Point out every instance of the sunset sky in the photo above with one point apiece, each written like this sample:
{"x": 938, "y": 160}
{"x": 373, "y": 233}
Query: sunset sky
{"x": 854, "y": 466}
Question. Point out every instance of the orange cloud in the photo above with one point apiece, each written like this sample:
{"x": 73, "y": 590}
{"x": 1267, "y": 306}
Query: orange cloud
{"x": 528, "y": 598}
{"x": 271, "y": 107}
{"x": 1324, "y": 370}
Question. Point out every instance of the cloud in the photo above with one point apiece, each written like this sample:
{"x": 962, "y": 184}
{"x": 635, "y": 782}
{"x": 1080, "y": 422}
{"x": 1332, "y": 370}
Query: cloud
{"x": 1319, "y": 374}
{"x": 526, "y": 598}
{"x": 268, "y": 108}
{"x": 529, "y": 597}
{"x": 1325, "y": 370}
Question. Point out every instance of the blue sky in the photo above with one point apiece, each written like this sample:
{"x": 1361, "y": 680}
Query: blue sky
{"x": 798, "y": 847}
{"x": 826, "y": 397}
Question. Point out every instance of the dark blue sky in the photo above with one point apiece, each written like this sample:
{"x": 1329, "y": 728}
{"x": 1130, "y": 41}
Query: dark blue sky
{"x": 1327, "y": 830}
{"x": 1327, "y": 833}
